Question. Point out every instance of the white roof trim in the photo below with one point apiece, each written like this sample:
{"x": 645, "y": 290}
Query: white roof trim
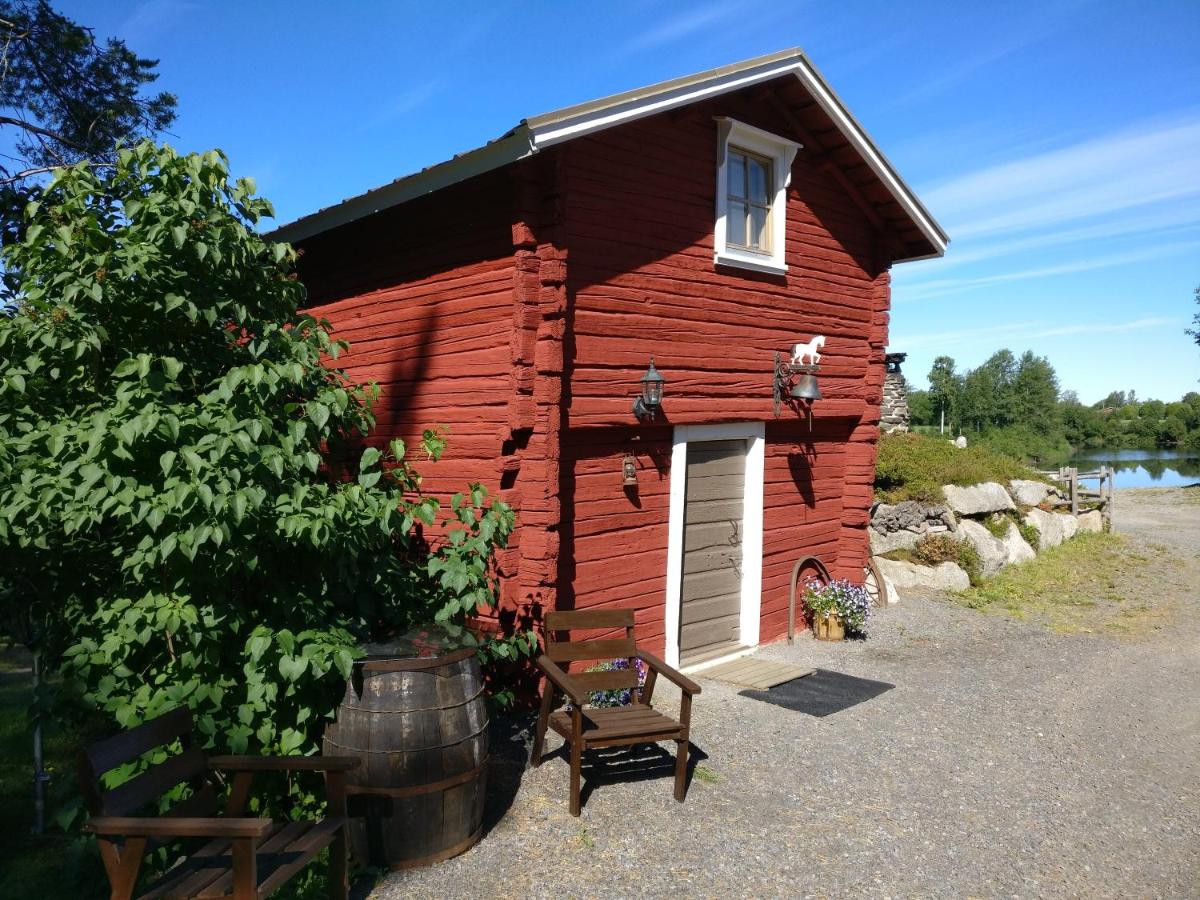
{"x": 553, "y": 128}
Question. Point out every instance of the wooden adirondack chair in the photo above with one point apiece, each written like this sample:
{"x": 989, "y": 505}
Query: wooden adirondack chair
{"x": 619, "y": 726}
{"x": 244, "y": 857}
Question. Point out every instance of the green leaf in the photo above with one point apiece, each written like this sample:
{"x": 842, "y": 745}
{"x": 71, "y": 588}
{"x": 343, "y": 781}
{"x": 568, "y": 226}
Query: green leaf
{"x": 318, "y": 412}
{"x": 166, "y": 461}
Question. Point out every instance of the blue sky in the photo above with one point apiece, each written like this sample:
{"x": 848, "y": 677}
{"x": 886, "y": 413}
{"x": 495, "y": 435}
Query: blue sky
{"x": 1058, "y": 143}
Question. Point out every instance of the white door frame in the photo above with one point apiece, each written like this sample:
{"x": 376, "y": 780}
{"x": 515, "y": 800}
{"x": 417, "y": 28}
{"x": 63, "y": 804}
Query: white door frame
{"x": 754, "y": 434}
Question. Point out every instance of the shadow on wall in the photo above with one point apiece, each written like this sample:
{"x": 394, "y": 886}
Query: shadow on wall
{"x": 603, "y": 489}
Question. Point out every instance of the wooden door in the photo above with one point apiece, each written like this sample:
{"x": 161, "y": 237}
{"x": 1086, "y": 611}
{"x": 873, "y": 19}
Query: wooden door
{"x": 711, "y": 593}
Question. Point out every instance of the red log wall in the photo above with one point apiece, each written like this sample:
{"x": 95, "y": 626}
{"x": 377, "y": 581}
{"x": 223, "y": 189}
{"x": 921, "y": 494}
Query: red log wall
{"x": 642, "y": 282}
{"x": 423, "y": 293}
{"x": 519, "y": 309}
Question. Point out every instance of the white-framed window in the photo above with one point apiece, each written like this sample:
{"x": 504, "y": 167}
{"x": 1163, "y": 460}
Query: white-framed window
{"x": 754, "y": 168}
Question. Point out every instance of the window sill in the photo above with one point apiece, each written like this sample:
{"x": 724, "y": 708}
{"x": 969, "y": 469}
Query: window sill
{"x": 749, "y": 261}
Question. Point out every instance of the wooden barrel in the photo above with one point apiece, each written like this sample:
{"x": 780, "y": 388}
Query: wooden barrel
{"x": 420, "y": 728}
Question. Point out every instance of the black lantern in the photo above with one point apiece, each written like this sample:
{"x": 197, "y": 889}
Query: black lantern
{"x": 646, "y": 405}
{"x": 629, "y": 472}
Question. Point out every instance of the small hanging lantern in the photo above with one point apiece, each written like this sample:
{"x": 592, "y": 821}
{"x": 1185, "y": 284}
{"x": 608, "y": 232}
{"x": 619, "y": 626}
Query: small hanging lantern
{"x": 629, "y": 472}
{"x": 647, "y": 403}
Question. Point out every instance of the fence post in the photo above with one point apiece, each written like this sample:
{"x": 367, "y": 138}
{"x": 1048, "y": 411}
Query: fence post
{"x": 1073, "y": 475}
{"x": 1110, "y": 476}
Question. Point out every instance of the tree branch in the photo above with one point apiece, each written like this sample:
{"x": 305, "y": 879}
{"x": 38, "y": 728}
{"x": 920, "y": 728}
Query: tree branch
{"x": 42, "y": 170}
{"x": 37, "y": 129}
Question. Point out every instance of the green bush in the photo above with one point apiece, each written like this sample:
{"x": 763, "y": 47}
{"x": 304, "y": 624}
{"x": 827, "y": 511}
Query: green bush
{"x": 914, "y": 467}
{"x": 934, "y": 549}
{"x": 1030, "y": 533}
{"x": 188, "y": 512}
{"x": 937, "y": 548}
{"x": 1026, "y": 445}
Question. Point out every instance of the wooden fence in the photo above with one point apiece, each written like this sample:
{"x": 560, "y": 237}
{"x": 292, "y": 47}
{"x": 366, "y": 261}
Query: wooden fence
{"x": 1082, "y": 497}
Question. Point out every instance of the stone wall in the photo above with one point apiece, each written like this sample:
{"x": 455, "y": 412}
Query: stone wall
{"x": 964, "y": 515}
{"x": 893, "y": 411}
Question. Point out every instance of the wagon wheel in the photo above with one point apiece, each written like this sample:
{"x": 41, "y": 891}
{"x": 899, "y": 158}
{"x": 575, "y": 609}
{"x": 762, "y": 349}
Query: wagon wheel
{"x": 807, "y": 569}
{"x": 812, "y": 569}
{"x": 873, "y": 583}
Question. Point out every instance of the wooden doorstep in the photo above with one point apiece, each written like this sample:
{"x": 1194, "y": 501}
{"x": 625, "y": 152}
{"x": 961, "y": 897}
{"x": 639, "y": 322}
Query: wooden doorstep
{"x": 761, "y": 674}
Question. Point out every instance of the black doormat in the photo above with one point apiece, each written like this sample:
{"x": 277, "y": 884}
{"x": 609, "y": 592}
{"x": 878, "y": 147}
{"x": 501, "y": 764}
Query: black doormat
{"x": 822, "y": 693}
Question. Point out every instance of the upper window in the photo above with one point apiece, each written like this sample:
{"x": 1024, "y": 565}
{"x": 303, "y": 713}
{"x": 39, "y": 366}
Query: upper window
{"x": 754, "y": 168}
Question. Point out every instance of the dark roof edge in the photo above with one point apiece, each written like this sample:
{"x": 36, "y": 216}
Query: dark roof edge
{"x": 565, "y": 124}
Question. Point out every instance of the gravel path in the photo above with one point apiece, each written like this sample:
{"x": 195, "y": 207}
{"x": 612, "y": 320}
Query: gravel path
{"x": 1008, "y": 760}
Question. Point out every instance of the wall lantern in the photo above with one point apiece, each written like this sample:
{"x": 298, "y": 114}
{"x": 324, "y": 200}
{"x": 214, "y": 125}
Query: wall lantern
{"x": 805, "y": 388}
{"x": 629, "y": 472}
{"x": 646, "y": 404}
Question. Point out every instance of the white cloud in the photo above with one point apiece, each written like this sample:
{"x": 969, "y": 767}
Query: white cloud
{"x": 154, "y": 18}
{"x": 407, "y": 100}
{"x": 1156, "y": 223}
{"x": 943, "y": 286}
{"x": 682, "y": 25}
{"x": 1028, "y": 331}
{"x": 1136, "y": 167}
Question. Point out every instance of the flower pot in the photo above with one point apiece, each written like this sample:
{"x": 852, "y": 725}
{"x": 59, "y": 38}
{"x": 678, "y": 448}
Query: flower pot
{"x": 829, "y": 627}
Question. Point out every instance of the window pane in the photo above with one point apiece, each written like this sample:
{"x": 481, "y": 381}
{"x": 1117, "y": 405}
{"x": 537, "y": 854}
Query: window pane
{"x": 737, "y": 175}
{"x": 736, "y": 223}
{"x": 758, "y": 228}
{"x": 758, "y": 181}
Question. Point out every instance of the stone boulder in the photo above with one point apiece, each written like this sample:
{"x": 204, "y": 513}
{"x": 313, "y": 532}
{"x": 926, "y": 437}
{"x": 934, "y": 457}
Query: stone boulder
{"x": 977, "y": 499}
{"x": 1029, "y": 493}
{"x": 941, "y": 514}
{"x": 1091, "y": 521}
{"x": 1050, "y": 528}
{"x": 1017, "y": 547}
{"x": 907, "y": 514}
{"x": 1070, "y": 525}
{"x": 895, "y": 540}
{"x": 993, "y": 552}
{"x": 890, "y": 595}
{"x": 943, "y": 577}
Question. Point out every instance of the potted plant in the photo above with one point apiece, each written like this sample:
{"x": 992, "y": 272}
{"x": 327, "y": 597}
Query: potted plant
{"x": 617, "y": 696}
{"x": 837, "y": 608}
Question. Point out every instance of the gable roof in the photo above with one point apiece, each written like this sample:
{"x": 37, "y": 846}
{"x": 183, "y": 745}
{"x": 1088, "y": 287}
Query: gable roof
{"x": 540, "y": 132}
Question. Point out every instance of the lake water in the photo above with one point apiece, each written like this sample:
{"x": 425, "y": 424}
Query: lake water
{"x": 1143, "y": 468}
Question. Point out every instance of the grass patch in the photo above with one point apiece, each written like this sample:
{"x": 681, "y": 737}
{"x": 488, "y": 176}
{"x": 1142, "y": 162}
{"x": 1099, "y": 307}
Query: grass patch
{"x": 914, "y": 467}
{"x": 706, "y": 775}
{"x": 1088, "y": 584}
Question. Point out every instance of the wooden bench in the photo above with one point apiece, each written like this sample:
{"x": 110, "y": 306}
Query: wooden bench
{"x": 243, "y": 857}
{"x": 620, "y": 726}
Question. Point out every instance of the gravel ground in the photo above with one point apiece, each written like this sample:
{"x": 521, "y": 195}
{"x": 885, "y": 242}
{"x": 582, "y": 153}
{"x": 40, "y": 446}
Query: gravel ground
{"x": 1007, "y": 761}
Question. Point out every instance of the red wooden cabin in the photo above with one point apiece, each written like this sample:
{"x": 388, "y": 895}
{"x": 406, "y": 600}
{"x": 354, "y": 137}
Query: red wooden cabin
{"x": 517, "y": 293}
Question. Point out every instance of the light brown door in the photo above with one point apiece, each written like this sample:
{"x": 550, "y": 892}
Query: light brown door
{"x": 711, "y": 594}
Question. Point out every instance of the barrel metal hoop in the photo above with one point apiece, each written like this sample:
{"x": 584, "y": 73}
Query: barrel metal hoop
{"x": 417, "y": 789}
{"x": 415, "y": 663}
{"x": 448, "y": 853}
{"x": 404, "y": 712}
{"x": 352, "y": 751}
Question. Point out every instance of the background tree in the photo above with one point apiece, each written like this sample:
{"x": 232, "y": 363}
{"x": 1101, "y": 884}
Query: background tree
{"x": 1195, "y": 330}
{"x": 944, "y": 389}
{"x": 65, "y": 97}
{"x": 187, "y": 513}
{"x": 1034, "y": 396}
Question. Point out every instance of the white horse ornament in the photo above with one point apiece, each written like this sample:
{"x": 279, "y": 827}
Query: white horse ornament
{"x": 810, "y": 350}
